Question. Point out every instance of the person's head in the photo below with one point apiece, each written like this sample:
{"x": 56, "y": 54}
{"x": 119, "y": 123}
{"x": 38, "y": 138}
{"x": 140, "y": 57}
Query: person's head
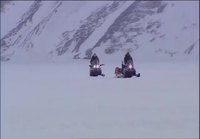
{"x": 94, "y": 54}
{"x": 128, "y": 53}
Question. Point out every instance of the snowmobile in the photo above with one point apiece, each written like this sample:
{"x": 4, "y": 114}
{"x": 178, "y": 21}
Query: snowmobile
{"x": 127, "y": 72}
{"x": 95, "y": 69}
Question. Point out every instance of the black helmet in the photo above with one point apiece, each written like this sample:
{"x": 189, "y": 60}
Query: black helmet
{"x": 94, "y": 54}
{"x": 127, "y": 53}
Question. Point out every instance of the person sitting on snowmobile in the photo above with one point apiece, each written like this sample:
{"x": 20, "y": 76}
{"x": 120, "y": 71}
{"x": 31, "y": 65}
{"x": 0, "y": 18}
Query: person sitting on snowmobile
{"x": 127, "y": 58}
{"x": 94, "y": 59}
{"x": 95, "y": 65}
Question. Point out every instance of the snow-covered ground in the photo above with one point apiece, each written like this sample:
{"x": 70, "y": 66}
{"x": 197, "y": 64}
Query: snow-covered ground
{"x": 62, "y": 101}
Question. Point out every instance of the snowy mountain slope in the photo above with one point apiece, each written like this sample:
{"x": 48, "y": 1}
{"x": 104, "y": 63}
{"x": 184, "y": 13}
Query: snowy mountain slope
{"x": 99, "y": 30}
{"x": 53, "y": 29}
{"x": 11, "y": 13}
{"x": 27, "y": 29}
{"x": 92, "y": 22}
{"x": 148, "y": 24}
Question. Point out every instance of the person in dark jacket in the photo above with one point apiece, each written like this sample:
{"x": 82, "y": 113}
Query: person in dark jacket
{"x": 127, "y": 58}
{"x": 94, "y": 59}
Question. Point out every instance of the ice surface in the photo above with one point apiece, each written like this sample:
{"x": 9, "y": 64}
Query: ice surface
{"x": 62, "y": 101}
